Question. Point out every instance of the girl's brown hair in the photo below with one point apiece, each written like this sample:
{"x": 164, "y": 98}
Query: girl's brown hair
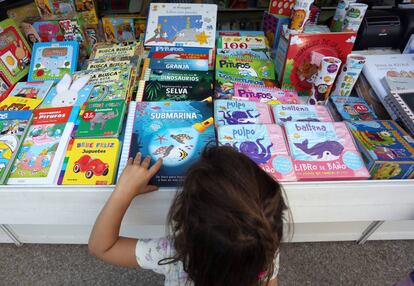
{"x": 227, "y": 222}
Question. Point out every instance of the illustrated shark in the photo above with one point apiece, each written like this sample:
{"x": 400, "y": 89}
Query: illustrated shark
{"x": 325, "y": 151}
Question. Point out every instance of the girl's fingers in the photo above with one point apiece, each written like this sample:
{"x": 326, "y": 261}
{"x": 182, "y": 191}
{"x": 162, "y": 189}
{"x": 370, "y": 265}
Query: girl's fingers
{"x": 150, "y": 188}
{"x": 130, "y": 161}
{"x": 155, "y": 168}
{"x": 137, "y": 160}
{"x": 146, "y": 162}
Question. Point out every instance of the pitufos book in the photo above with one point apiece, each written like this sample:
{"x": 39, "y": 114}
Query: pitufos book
{"x": 101, "y": 119}
{"x": 300, "y": 112}
{"x": 388, "y": 150}
{"x": 353, "y": 108}
{"x": 177, "y": 132}
{"x": 176, "y": 91}
{"x": 245, "y": 53}
{"x": 324, "y": 151}
{"x": 52, "y": 60}
{"x": 264, "y": 144}
{"x": 13, "y": 127}
{"x": 269, "y": 95}
{"x": 233, "y": 112}
{"x": 246, "y": 67}
{"x": 41, "y": 154}
{"x": 90, "y": 162}
{"x": 177, "y": 24}
{"x": 35, "y": 90}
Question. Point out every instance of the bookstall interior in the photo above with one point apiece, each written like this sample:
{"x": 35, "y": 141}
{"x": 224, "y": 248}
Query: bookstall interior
{"x": 319, "y": 94}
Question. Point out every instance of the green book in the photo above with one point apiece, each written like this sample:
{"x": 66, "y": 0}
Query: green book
{"x": 101, "y": 119}
{"x": 245, "y": 67}
{"x": 177, "y": 91}
{"x": 168, "y": 75}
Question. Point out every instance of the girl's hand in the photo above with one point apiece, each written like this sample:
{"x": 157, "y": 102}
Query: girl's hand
{"x": 136, "y": 176}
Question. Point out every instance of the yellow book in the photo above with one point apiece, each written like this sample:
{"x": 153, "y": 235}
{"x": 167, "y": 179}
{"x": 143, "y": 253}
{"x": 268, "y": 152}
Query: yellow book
{"x": 19, "y": 103}
{"x": 90, "y": 162}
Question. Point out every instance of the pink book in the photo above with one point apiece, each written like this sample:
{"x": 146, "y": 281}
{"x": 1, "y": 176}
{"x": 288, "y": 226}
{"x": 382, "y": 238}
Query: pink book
{"x": 324, "y": 151}
{"x": 233, "y": 112}
{"x": 269, "y": 95}
{"x": 264, "y": 144}
{"x": 300, "y": 112}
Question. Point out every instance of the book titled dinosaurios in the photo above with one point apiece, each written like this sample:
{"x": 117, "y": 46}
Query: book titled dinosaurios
{"x": 175, "y": 131}
{"x": 90, "y": 162}
{"x": 324, "y": 151}
{"x": 101, "y": 119}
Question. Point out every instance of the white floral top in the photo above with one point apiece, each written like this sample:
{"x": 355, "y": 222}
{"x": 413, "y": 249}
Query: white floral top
{"x": 149, "y": 251}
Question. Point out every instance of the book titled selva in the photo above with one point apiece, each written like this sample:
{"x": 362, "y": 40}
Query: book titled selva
{"x": 175, "y": 131}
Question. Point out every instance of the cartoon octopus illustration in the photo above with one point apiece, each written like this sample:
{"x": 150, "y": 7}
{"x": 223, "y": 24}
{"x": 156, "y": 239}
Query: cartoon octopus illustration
{"x": 239, "y": 117}
{"x": 255, "y": 150}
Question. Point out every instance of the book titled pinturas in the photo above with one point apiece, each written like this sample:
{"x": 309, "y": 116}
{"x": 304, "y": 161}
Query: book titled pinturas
{"x": 177, "y": 91}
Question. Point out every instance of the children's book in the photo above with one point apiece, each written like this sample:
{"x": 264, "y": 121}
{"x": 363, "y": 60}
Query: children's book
{"x": 122, "y": 28}
{"x": 177, "y": 24}
{"x": 90, "y": 162}
{"x": 234, "y": 112}
{"x": 52, "y": 60}
{"x": 388, "y": 150}
{"x": 300, "y": 112}
{"x": 68, "y": 92}
{"x": 242, "y": 42}
{"x": 353, "y": 108}
{"x": 179, "y": 53}
{"x": 269, "y": 95}
{"x": 179, "y": 64}
{"x": 34, "y": 90}
{"x": 14, "y": 103}
{"x": 245, "y": 53}
{"x": 13, "y": 128}
{"x": 404, "y": 104}
{"x": 101, "y": 119}
{"x": 15, "y": 53}
{"x": 53, "y": 9}
{"x": 177, "y": 132}
{"x": 224, "y": 83}
{"x": 176, "y": 91}
{"x": 86, "y": 10}
{"x": 125, "y": 49}
{"x": 245, "y": 67}
{"x": 109, "y": 63}
{"x": 108, "y": 84}
{"x": 240, "y": 33}
{"x": 324, "y": 151}
{"x": 41, "y": 154}
{"x": 264, "y": 144}
{"x": 166, "y": 75}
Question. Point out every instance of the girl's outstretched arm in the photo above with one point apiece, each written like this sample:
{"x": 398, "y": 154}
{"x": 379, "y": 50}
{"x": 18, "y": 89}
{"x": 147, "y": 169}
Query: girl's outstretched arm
{"x": 105, "y": 242}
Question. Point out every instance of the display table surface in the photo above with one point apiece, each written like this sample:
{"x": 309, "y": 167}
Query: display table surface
{"x": 338, "y": 207}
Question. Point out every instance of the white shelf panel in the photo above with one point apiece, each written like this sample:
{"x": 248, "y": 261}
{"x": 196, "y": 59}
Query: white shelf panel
{"x": 310, "y": 202}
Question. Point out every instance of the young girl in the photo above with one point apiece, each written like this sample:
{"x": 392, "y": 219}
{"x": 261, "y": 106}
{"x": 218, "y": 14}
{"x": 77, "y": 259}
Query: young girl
{"x": 226, "y": 223}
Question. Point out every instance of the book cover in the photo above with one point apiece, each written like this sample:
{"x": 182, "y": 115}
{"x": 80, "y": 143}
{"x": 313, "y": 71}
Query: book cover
{"x": 52, "y": 60}
{"x": 245, "y": 67}
{"x": 353, "y": 108}
{"x": 52, "y": 9}
{"x": 15, "y": 53}
{"x": 399, "y": 83}
{"x": 269, "y": 95}
{"x": 90, "y": 162}
{"x": 159, "y": 52}
{"x": 13, "y": 127}
{"x": 264, "y": 144}
{"x": 404, "y": 104}
{"x": 300, "y": 112}
{"x": 176, "y": 91}
{"x": 239, "y": 33}
{"x": 388, "y": 150}
{"x": 118, "y": 29}
{"x": 242, "y": 42}
{"x": 177, "y": 24}
{"x": 19, "y": 103}
{"x": 324, "y": 151}
{"x": 177, "y": 132}
{"x": 101, "y": 119}
{"x": 179, "y": 64}
{"x": 42, "y": 150}
{"x": 35, "y": 90}
{"x": 125, "y": 49}
{"x": 194, "y": 76}
{"x": 245, "y": 53}
{"x": 234, "y": 112}
{"x": 108, "y": 63}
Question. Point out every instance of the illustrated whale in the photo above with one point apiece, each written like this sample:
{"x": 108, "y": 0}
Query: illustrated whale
{"x": 300, "y": 120}
{"x": 326, "y": 151}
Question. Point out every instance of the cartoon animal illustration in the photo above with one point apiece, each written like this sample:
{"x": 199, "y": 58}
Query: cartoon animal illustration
{"x": 248, "y": 72}
{"x": 22, "y": 54}
{"x": 298, "y": 18}
{"x": 5, "y": 154}
{"x": 101, "y": 118}
{"x": 180, "y": 138}
{"x": 289, "y": 118}
{"x": 90, "y": 166}
{"x": 387, "y": 171}
{"x": 67, "y": 92}
{"x": 371, "y": 138}
{"x": 255, "y": 150}
{"x": 164, "y": 150}
{"x": 384, "y": 153}
{"x": 183, "y": 154}
{"x": 239, "y": 117}
{"x": 326, "y": 151}
{"x": 35, "y": 163}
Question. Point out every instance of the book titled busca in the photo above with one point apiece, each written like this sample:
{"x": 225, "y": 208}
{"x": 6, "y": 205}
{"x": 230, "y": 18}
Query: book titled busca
{"x": 174, "y": 131}
{"x": 90, "y": 162}
{"x": 13, "y": 127}
{"x": 177, "y": 91}
{"x": 41, "y": 153}
{"x": 101, "y": 119}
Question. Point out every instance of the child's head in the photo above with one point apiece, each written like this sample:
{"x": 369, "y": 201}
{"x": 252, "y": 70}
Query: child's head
{"x": 227, "y": 221}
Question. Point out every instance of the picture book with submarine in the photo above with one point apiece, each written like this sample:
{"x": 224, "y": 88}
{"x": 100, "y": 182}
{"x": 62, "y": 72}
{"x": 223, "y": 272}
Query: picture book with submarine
{"x": 324, "y": 151}
{"x": 177, "y": 132}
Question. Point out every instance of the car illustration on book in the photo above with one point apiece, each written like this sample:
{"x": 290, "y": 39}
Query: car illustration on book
{"x": 90, "y": 166}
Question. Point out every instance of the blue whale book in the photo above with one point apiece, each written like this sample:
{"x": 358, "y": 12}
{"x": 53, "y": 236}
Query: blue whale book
{"x": 177, "y": 132}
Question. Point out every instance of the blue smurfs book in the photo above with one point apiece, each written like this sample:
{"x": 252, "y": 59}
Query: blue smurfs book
{"x": 177, "y": 132}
